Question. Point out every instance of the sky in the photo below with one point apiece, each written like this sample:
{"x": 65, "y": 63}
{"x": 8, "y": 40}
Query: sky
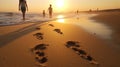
{"x": 59, "y": 5}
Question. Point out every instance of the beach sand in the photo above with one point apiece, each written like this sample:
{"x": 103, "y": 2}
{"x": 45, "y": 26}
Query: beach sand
{"x": 16, "y": 43}
{"x": 112, "y": 20}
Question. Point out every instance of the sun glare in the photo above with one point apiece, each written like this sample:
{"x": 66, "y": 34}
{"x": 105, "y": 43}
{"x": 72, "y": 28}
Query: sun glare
{"x": 60, "y": 18}
{"x": 59, "y": 3}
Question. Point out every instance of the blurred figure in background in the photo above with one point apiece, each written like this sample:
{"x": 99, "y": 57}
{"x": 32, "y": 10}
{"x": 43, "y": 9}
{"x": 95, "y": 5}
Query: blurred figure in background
{"x": 44, "y": 13}
{"x": 50, "y": 9}
{"x": 22, "y": 7}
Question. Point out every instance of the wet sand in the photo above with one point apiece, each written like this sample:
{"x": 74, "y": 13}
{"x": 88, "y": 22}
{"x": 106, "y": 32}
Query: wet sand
{"x": 16, "y": 46}
{"x": 112, "y": 20}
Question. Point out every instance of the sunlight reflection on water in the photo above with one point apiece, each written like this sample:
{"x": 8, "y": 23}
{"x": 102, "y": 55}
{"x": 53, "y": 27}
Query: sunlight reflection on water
{"x": 60, "y": 19}
{"x": 96, "y": 28}
{"x": 91, "y": 26}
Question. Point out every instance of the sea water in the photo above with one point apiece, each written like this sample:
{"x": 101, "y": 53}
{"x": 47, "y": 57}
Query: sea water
{"x": 82, "y": 20}
{"x": 85, "y": 22}
{"x": 92, "y": 26}
{"x": 9, "y": 18}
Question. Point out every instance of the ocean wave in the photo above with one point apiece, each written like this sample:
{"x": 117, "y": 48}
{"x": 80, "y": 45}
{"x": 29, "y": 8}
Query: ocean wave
{"x": 10, "y": 18}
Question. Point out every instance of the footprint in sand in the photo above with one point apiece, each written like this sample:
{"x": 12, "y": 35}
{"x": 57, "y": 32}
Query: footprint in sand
{"x": 39, "y": 36}
{"x": 37, "y": 28}
{"x": 74, "y": 45}
{"x": 58, "y": 31}
{"x": 51, "y": 25}
{"x": 40, "y": 55}
{"x": 40, "y": 47}
{"x": 42, "y": 61}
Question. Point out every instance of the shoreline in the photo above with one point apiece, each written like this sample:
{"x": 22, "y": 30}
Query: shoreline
{"x": 17, "y": 52}
{"x": 112, "y": 20}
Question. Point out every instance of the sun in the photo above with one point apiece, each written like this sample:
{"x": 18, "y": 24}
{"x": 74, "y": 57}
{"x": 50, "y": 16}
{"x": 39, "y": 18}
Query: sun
{"x": 59, "y": 3}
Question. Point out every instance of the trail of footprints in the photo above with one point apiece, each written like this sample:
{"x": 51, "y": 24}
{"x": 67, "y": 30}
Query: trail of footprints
{"x": 75, "y": 46}
{"x": 41, "y": 57}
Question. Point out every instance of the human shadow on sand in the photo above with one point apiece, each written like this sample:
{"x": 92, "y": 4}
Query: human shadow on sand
{"x": 9, "y": 37}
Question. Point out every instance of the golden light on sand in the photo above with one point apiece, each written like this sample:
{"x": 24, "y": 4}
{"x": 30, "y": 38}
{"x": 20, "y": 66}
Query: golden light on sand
{"x": 60, "y": 19}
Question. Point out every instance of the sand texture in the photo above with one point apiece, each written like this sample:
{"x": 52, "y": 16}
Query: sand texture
{"x": 17, "y": 45}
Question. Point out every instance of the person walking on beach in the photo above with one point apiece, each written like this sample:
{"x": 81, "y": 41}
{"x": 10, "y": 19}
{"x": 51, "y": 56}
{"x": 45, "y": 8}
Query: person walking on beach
{"x": 77, "y": 11}
{"x": 50, "y": 9}
{"x": 22, "y": 7}
{"x": 44, "y": 13}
